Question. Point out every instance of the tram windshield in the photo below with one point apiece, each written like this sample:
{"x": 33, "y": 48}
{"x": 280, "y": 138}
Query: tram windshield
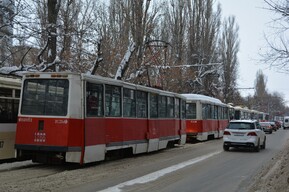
{"x": 45, "y": 97}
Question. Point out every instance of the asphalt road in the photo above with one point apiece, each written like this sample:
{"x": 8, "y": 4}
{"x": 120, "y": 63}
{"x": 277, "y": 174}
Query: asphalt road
{"x": 205, "y": 167}
{"x": 198, "y": 167}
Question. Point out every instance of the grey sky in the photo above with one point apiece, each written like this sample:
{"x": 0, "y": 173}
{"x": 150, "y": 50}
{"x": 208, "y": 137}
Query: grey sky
{"x": 254, "y": 21}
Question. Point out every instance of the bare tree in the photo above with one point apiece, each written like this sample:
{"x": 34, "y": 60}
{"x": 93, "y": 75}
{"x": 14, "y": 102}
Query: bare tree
{"x": 68, "y": 18}
{"x": 260, "y": 84}
{"x": 276, "y": 105}
{"x": 173, "y": 30}
{"x": 142, "y": 22}
{"x": 202, "y": 39}
{"x": 114, "y": 29}
{"x": 9, "y": 10}
{"x": 70, "y": 41}
{"x": 277, "y": 54}
{"x": 130, "y": 25}
{"x": 53, "y": 9}
{"x": 125, "y": 62}
{"x": 261, "y": 96}
{"x": 229, "y": 47}
{"x": 263, "y": 100}
{"x": 83, "y": 33}
{"x": 44, "y": 31}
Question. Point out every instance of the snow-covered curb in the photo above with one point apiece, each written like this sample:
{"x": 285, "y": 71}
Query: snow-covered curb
{"x": 14, "y": 165}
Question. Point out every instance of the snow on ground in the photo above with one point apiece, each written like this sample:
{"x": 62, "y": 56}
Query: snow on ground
{"x": 274, "y": 177}
{"x": 15, "y": 165}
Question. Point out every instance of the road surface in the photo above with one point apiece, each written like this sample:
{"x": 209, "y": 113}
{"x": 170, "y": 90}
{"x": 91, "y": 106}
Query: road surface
{"x": 194, "y": 167}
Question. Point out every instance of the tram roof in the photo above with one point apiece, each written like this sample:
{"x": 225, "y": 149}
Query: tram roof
{"x": 242, "y": 108}
{"x": 9, "y": 81}
{"x": 204, "y": 98}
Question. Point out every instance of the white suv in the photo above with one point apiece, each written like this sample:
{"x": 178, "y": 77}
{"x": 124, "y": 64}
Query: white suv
{"x": 244, "y": 133}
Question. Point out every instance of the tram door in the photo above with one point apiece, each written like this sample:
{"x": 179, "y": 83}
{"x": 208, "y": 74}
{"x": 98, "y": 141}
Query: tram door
{"x": 95, "y": 138}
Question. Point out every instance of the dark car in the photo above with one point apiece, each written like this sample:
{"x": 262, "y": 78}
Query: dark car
{"x": 274, "y": 126}
{"x": 278, "y": 124}
{"x": 267, "y": 127}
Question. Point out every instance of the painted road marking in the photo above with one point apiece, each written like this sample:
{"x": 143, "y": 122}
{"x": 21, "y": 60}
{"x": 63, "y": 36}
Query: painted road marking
{"x": 155, "y": 175}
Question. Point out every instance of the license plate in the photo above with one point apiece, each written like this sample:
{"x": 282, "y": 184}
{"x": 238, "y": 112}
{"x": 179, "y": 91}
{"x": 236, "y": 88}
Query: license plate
{"x": 238, "y": 134}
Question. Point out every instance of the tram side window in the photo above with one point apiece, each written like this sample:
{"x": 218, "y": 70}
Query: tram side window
{"x": 220, "y": 112}
{"x": 211, "y": 115}
{"x": 246, "y": 115}
{"x": 183, "y": 109}
{"x": 162, "y": 106}
{"x": 153, "y": 105}
{"x": 226, "y": 113}
{"x": 231, "y": 113}
{"x": 266, "y": 117}
{"x": 17, "y": 93}
{"x": 223, "y": 113}
{"x": 191, "y": 110}
{"x": 215, "y": 111}
{"x": 141, "y": 104}
{"x": 243, "y": 115}
{"x": 238, "y": 115}
{"x": 5, "y": 92}
{"x": 94, "y": 101}
{"x": 8, "y": 110}
{"x": 171, "y": 104}
{"x": 177, "y": 108}
{"x": 205, "y": 111}
{"x": 129, "y": 107}
{"x": 112, "y": 101}
{"x": 211, "y": 112}
{"x": 9, "y": 106}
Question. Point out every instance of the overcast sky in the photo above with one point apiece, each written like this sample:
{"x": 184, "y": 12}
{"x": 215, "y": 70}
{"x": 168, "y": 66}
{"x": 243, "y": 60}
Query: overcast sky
{"x": 254, "y": 21}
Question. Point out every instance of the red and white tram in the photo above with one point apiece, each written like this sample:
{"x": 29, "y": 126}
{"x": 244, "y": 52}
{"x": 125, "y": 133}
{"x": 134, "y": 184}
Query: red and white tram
{"x": 79, "y": 118}
{"x": 262, "y": 116}
{"x": 242, "y": 113}
{"x": 206, "y": 117}
{"x": 9, "y": 100}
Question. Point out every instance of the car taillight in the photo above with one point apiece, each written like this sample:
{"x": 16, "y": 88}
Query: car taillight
{"x": 252, "y": 134}
{"x": 227, "y": 133}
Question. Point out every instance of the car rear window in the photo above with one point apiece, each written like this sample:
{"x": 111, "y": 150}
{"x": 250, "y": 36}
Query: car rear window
{"x": 238, "y": 125}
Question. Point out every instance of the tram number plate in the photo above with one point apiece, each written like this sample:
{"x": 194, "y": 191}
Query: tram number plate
{"x": 1, "y": 144}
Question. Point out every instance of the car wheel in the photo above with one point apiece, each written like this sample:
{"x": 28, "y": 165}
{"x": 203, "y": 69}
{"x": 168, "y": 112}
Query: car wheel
{"x": 226, "y": 148}
{"x": 257, "y": 148}
{"x": 264, "y": 144}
